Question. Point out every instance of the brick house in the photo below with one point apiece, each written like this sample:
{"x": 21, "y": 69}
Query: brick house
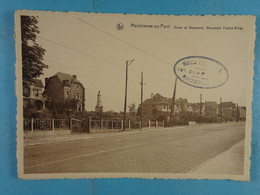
{"x": 64, "y": 87}
{"x": 32, "y": 93}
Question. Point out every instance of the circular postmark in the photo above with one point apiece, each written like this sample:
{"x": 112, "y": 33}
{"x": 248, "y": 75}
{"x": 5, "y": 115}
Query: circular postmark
{"x": 201, "y": 72}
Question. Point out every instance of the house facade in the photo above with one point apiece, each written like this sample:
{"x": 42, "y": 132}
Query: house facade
{"x": 183, "y": 104}
{"x": 33, "y": 94}
{"x": 227, "y": 110}
{"x": 64, "y": 88}
{"x": 242, "y": 113}
{"x": 211, "y": 109}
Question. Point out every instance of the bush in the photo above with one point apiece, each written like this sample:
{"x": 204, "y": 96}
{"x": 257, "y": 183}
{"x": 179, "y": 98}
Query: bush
{"x": 204, "y": 119}
{"x": 181, "y": 122}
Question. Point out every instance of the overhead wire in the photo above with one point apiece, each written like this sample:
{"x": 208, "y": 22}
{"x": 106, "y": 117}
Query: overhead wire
{"x": 129, "y": 44}
{"x": 93, "y": 56}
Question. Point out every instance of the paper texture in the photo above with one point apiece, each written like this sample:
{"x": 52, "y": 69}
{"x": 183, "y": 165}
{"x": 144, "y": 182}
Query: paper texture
{"x": 139, "y": 96}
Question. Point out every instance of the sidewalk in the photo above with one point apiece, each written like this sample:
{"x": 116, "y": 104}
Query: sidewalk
{"x": 230, "y": 161}
{"x": 37, "y": 140}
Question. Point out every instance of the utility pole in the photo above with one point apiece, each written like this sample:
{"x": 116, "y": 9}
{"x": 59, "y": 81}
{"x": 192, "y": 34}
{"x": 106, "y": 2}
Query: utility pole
{"x": 128, "y": 62}
{"x": 173, "y": 102}
{"x": 221, "y": 111}
{"x": 237, "y": 113}
{"x": 142, "y": 84}
{"x": 200, "y": 106}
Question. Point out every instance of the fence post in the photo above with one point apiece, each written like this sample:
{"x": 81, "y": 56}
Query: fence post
{"x": 122, "y": 124}
{"x": 101, "y": 124}
{"x": 163, "y": 123}
{"x": 52, "y": 124}
{"x": 156, "y": 123}
{"x": 89, "y": 123}
{"x": 149, "y": 123}
{"x": 71, "y": 123}
{"x": 31, "y": 124}
{"x": 129, "y": 124}
{"x": 112, "y": 125}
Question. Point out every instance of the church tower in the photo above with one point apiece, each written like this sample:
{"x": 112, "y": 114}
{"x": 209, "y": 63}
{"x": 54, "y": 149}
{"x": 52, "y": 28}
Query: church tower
{"x": 99, "y": 107}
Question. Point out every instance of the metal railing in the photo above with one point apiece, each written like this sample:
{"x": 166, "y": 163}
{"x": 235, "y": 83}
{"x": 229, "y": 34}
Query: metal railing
{"x": 76, "y": 125}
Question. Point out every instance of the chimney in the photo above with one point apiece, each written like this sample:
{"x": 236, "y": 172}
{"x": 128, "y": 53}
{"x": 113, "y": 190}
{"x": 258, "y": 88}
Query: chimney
{"x": 151, "y": 95}
{"x": 46, "y": 80}
{"x": 74, "y": 76}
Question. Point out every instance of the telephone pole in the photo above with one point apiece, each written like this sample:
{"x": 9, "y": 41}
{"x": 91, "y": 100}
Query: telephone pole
{"x": 142, "y": 84}
{"x": 237, "y": 113}
{"x": 173, "y": 102}
{"x": 200, "y": 106}
{"x": 221, "y": 112}
{"x": 128, "y": 62}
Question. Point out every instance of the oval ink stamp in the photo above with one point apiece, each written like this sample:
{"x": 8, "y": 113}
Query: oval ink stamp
{"x": 201, "y": 72}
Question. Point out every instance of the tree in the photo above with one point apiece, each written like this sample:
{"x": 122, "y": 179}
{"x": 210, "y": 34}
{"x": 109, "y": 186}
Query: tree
{"x": 32, "y": 53}
{"x": 132, "y": 108}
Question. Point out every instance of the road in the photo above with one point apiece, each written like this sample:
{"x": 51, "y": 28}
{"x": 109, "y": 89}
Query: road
{"x": 164, "y": 150}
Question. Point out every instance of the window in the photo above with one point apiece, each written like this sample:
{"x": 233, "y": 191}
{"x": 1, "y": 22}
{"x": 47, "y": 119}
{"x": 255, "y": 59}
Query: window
{"x": 67, "y": 94}
{"x": 76, "y": 96}
{"x": 26, "y": 91}
{"x": 37, "y": 92}
{"x": 79, "y": 107}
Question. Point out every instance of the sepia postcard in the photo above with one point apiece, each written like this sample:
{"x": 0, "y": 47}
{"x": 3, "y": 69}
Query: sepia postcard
{"x": 133, "y": 96}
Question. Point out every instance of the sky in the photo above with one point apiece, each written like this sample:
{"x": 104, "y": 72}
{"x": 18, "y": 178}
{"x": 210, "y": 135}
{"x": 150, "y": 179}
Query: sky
{"x": 91, "y": 47}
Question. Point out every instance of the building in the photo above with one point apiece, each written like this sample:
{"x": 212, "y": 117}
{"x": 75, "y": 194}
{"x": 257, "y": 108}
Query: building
{"x": 32, "y": 94}
{"x": 211, "y": 109}
{"x": 196, "y": 108}
{"x": 64, "y": 88}
{"x": 157, "y": 105}
{"x": 183, "y": 103}
{"x": 99, "y": 107}
{"x": 242, "y": 113}
{"x": 227, "y": 110}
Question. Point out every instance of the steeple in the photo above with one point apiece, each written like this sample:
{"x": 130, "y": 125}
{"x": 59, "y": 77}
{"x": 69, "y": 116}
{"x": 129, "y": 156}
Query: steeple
{"x": 99, "y": 107}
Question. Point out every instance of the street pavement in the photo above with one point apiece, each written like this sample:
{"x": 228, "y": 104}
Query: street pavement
{"x": 162, "y": 150}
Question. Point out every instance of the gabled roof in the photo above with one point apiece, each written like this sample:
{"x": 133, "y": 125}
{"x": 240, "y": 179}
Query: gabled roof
{"x": 37, "y": 83}
{"x": 194, "y": 106}
{"x": 63, "y": 76}
{"x": 157, "y": 99}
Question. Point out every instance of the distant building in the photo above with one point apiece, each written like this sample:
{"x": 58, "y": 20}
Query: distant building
{"x": 64, "y": 87}
{"x": 211, "y": 109}
{"x": 183, "y": 103}
{"x": 99, "y": 107}
{"x": 32, "y": 93}
{"x": 158, "y": 104}
{"x": 227, "y": 110}
{"x": 196, "y": 108}
{"x": 242, "y": 113}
